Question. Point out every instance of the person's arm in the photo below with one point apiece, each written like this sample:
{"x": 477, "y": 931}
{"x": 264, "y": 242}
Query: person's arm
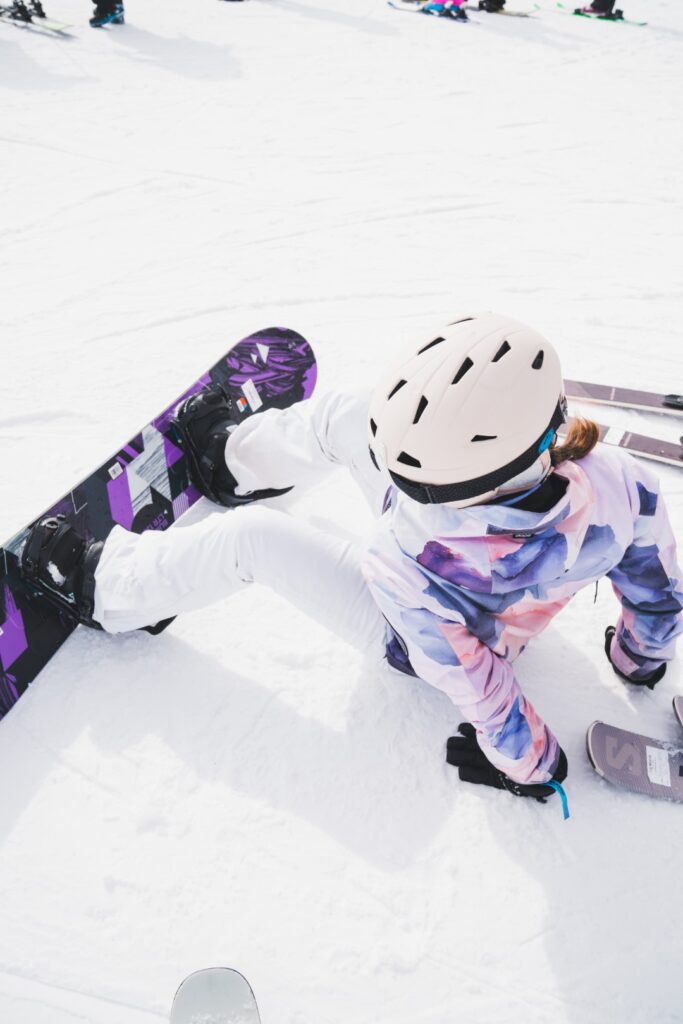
{"x": 482, "y": 684}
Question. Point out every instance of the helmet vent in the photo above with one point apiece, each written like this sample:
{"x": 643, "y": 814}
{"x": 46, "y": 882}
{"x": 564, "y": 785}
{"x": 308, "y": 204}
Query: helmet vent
{"x": 437, "y": 341}
{"x": 373, "y": 427}
{"x": 408, "y": 460}
{"x": 396, "y": 388}
{"x": 538, "y": 361}
{"x": 423, "y": 403}
{"x": 467, "y": 365}
{"x": 501, "y": 352}
{"x": 484, "y": 437}
{"x": 462, "y": 321}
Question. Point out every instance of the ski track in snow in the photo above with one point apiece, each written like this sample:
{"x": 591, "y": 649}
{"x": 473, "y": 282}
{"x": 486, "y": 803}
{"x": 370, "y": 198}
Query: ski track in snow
{"x": 244, "y": 789}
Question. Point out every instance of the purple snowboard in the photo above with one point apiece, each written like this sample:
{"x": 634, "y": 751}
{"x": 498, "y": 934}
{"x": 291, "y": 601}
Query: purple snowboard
{"x": 643, "y": 765}
{"x": 143, "y": 486}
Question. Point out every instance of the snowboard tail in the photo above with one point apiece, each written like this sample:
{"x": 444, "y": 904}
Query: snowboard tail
{"x": 144, "y": 486}
{"x": 217, "y": 995}
{"x": 638, "y": 763}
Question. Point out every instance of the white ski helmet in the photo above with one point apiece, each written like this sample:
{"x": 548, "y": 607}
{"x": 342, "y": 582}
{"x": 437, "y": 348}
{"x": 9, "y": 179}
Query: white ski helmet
{"x": 468, "y": 410}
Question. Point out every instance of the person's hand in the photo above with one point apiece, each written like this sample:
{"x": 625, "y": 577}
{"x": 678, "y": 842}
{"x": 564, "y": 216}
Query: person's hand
{"x": 464, "y": 752}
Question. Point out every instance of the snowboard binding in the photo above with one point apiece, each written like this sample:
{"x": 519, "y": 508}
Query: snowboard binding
{"x": 603, "y": 14}
{"x": 108, "y": 14}
{"x": 203, "y": 424}
{"x": 19, "y": 12}
{"x": 61, "y": 564}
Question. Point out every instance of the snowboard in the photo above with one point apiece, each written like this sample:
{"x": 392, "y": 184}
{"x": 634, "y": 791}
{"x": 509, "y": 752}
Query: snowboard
{"x": 216, "y": 995}
{"x": 564, "y": 9}
{"x": 142, "y": 486}
{"x": 638, "y": 763}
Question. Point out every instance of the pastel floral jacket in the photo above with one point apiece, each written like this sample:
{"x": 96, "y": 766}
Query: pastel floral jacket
{"x": 464, "y": 590}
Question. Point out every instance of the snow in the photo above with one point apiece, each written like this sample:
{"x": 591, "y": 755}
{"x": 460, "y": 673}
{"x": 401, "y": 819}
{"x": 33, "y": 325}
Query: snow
{"x": 245, "y": 789}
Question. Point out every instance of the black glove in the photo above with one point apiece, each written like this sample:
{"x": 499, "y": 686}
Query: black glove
{"x": 649, "y": 681}
{"x": 464, "y": 752}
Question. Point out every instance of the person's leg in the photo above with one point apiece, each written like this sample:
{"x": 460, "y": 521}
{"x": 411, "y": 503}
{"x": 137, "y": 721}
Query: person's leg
{"x": 296, "y": 446}
{"x": 144, "y": 578}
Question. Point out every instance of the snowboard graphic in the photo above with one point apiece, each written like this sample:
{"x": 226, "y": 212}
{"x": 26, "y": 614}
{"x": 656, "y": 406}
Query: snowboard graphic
{"x": 217, "y": 995}
{"x": 635, "y": 762}
{"x": 143, "y": 486}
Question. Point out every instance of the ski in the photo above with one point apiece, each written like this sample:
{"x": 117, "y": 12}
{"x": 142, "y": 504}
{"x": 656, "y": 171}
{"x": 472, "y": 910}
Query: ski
{"x": 576, "y": 12}
{"x": 217, "y": 995}
{"x": 624, "y": 398}
{"x": 25, "y": 17}
{"x": 668, "y": 452}
{"x": 638, "y": 763}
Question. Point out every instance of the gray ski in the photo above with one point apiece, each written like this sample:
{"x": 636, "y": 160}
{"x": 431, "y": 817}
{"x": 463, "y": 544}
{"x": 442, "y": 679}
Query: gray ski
{"x": 624, "y": 398}
{"x": 669, "y": 452}
{"x": 217, "y": 995}
{"x": 643, "y": 765}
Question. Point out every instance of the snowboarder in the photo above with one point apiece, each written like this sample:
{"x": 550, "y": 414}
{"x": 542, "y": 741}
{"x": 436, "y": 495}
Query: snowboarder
{"x": 600, "y": 8}
{"x": 107, "y": 12}
{"x": 487, "y": 526}
{"x": 446, "y": 8}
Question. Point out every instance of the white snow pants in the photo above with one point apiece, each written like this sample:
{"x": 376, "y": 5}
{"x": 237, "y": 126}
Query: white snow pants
{"x": 143, "y": 578}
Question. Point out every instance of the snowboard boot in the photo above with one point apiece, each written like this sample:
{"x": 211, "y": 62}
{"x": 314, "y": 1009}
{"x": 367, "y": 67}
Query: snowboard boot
{"x": 601, "y": 9}
{"x": 447, "y": 9}
{"x": 19, "y": 12}
{"x": 61, "y": 564}
{"x": 491, "y": 6}
{"x": 203, "y": 423}
{"x": 36, "y": 9}
{"x": 107, "y": 14}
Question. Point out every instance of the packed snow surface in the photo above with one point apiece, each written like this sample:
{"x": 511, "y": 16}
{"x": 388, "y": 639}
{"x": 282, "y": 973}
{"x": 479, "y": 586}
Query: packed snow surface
{"x": 246, "y": 789}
